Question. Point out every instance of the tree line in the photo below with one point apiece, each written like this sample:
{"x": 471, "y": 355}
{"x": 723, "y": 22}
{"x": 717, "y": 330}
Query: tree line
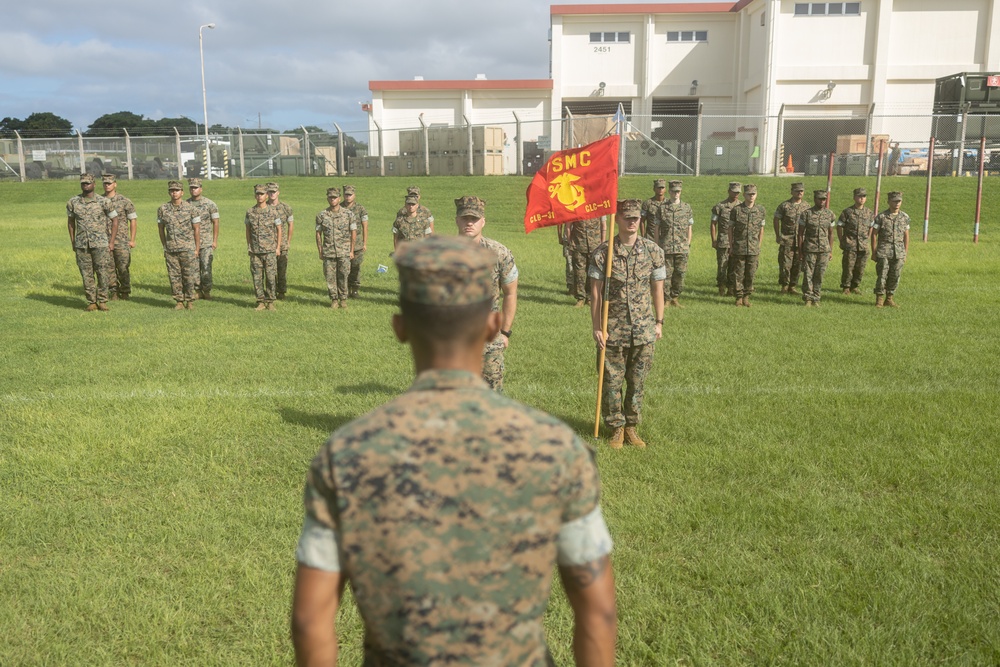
{"x": 49, "y": 125}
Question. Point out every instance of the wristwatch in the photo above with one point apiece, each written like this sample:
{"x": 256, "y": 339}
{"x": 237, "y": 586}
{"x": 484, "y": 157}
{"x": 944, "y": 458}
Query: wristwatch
{"x": 659, "y": 321}
{"x": 506, "y": 333}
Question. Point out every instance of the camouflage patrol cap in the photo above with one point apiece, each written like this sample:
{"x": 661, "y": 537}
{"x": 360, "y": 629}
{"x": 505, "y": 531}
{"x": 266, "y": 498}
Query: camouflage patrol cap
{"x": 194, "y": 182}
{"x": 109, "y": 178}
{"x": 820, "y": 194}
{"x": 348, "y": 189}
{"x": 659, "y": 183}
{"x": 629, "y": 208}
{"x": 413, "y": 190}
{"x": 86, "y": 178}
{"x": 174, "y": 185}
{"x": 895, "y": 196}
{"x": 749, "y": 189}
{"x": 272, "y": 187}
{"x": 469, "y": 205}
{"x": 445, "y": 271}
{"x": 798, "y": 187}
{"x": 676, "y": 186}
{"x": 735, "y": 186}
{"x": 860, "y": 192}
{"x": 410, "y": 199}
{"x": 332, "y": 192}
{"x": 259, "y": 189}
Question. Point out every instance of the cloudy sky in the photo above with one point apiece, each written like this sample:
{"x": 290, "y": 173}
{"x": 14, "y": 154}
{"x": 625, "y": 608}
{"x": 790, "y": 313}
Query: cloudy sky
{"x": 294, "y": 62}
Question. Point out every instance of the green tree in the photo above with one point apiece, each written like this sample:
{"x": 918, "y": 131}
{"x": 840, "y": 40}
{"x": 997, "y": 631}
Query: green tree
{"x": 115, "y": 124}
{"x": 38, "y": 124}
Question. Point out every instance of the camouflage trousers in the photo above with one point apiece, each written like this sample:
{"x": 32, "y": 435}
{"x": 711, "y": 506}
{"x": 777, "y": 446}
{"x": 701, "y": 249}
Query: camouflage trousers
{"x": 813, "y": 268}
{"x": 744, "y": 270}
{"x": 626, "y": 365}
{"x": 120, "y": 280}
{"x": 724, "y": 270}
{"x": 96, "y": 269}
{"x": 263, "y": 267}
{"x": 887, "y": 269}
{"x": 354, "y": 277}
{"x": 493, "y": 364}
{"x": 182, "y": 270}
{"x": 205, "y": 258}
{"x": 336, "y": 271}
{"x": 579, "y": 286}
{"x": 568, "y": 256}
{"x": 789, "y": 265}
{"x": 677, "y": 266}
{"x": 853, "y": 266}
{"x": 281, "y": 275}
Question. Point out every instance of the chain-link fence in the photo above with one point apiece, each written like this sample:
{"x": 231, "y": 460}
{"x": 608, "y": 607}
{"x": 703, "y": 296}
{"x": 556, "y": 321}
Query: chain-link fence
{"x": 673, "y": 142}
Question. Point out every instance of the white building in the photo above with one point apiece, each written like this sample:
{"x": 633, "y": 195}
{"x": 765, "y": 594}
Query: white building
{"x": 828, "y": 69}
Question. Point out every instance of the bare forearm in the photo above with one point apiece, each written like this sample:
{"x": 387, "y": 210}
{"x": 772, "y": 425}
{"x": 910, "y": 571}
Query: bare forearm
{"x": 590, "y": 588}
{"x": 315, "y": 644}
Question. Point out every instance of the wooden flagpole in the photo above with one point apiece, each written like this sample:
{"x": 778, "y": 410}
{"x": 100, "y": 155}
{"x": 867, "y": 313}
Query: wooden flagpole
{"x": 604, "y": 324}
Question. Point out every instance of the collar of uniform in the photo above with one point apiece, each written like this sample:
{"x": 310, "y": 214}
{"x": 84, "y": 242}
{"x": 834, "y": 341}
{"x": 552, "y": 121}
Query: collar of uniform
{"x": 440, "y": 378}
{"x": 620, "y": 248}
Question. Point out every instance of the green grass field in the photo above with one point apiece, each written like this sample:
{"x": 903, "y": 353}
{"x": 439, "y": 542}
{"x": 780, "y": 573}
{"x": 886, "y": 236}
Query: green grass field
{"x": 820, "y": 486}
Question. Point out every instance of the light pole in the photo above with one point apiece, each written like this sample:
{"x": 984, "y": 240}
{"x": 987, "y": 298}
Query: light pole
{"x": 204, "y": 98}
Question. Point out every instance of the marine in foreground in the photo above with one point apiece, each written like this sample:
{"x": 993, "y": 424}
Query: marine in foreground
{"x": 447, "y": 508}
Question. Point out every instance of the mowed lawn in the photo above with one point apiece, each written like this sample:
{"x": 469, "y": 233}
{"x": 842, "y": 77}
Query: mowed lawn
{"x": 820, "y": 485}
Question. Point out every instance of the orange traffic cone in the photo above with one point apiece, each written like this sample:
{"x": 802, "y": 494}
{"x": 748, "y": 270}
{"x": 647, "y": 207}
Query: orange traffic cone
{"x": 789, "y": 168}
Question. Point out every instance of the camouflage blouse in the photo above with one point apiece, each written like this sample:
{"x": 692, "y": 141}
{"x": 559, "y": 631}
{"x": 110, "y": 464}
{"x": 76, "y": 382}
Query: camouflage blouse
{"x": 335, "y": 229}
{"x": 891, "y": 230}
{"x": 263, "y": 223}
{"x": 857, "y": 226}
{"x": 448, "y": 503}
{"x": 631, "y": 318}
{"x": 179, "y": 221}
{"x": 92, "y": 218}
{"x": 745, "y": 224}
{"x": 816, "y": 224}
{"x": 788, "y": 213}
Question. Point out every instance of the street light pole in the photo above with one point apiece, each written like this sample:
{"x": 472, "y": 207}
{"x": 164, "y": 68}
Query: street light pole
{"x": 204, "y": 98}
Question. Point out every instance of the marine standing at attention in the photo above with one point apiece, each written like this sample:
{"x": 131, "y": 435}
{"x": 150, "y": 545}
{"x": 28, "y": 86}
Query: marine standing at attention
{"x": 263, "y": 232}
{"x": 180, "y": 235}
{"x": 635, "y": 321}
{"x": 853, "y": 230}
{"x": 720, "y": 239}
{"x": 815, "y": 239}
{"x": 287, "y": 229}
{"x": 746, "y": 232}
{"x": 447, "y": 508}
{"x": 87, "y": 218}
{"x": 786, "y": 218}
{"x": 336, "y": 234}
{"x": 470, "y": 217}
{"x": 120, "y": 283}
{"x": 209, "y": 214}
{"x": 361, "y": 242}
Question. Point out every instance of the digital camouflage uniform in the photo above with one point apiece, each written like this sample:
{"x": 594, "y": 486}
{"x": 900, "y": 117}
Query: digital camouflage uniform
{"x": 263, "y": 223}
{"x": 417, "y": 227}
{"x": 335, "y": 228}
{"x": 90, "y": 244}
{"x": 789, "y": 262}
{"x": 745, "y": 224}
{"x": 284, "y": 211}
{"x": 584, "y": 237}
{"x": 180, "y": 250}
{"x": 120, "y": 280}
{"x": 815, "y": 223}
{"x": 720, "y": 216}
{"x": 856, "y": 226}
{"x": 628, "y": 350}
{"x": 361, "y": 219}
{"x": 504, "y": 273}
{"x": 672, "y": 227}
{"x": 209, "y": 214}
{"x": 890, "y": 251}
{"x": 446, "y": 505}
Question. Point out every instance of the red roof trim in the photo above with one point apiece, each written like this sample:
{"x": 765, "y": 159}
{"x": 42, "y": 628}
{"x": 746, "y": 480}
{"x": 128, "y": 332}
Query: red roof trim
{"x": 676, "y": 8}
{"x": 473, "y": 84}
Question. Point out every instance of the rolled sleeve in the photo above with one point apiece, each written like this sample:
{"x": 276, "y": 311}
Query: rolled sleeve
{"x": 318, "y": 546}
{"x": 659, "y": 273}
{"x": 583, "y": 540}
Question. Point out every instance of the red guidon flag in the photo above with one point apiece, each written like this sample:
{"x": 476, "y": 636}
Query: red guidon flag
{"x": 575, "y": 184}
